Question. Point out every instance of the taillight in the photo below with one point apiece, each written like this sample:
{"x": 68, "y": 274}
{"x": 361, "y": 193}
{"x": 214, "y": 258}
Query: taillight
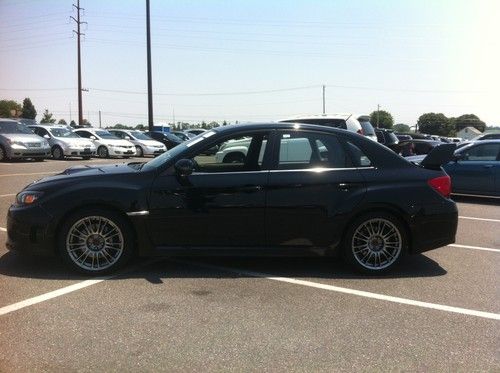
{"x": 442, "y": 185}
{"x": 361, "y": 132}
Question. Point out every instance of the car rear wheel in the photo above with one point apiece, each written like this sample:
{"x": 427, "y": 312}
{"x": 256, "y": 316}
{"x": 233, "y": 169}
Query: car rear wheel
{"x": 102, "y": 152}
{"x": 57, "y": 152}
{"x": 139, "y": 152}
{"x": 375, "y": 243}
{"x": 95, "y": 241}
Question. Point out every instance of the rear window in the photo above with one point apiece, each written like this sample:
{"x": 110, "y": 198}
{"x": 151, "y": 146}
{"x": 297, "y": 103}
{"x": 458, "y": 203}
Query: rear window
{"x": 367, "y": 128}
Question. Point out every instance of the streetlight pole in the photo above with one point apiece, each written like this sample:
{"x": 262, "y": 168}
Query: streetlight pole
{"x": 150, "y": 84}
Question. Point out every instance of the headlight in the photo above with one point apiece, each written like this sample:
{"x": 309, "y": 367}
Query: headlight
{"x": 27, "y": 197}
{"x": 18, "y": 143}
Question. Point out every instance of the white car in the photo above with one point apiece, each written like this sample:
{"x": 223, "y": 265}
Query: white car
{"x": 349, "y": 122}
{"x": 291, "y": 150}
{"x": 64, "y": 142}
{"x": 144, "y": 145}
{"x": 107, "y": 145}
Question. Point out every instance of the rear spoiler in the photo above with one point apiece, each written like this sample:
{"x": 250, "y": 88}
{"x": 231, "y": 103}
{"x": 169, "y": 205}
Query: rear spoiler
{"x": 438, "y": 156}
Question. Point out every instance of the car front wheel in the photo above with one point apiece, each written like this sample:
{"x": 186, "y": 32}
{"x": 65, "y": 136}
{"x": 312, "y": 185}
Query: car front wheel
{"x": 102, "y": 152}
{"x": 375, "y": 243}
{"x": 95, "y": 241}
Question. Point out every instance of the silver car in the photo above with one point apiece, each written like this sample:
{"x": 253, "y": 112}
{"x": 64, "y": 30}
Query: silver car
{"x": 17, "y": 141}
{"x": 144, "y": 145}
{"x": 64, "y": 142}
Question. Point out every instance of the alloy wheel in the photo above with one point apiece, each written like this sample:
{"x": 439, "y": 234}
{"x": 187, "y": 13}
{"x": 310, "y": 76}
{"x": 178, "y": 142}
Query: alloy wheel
{"x": 376, "y": 244}
{"x": 94, "y": 243}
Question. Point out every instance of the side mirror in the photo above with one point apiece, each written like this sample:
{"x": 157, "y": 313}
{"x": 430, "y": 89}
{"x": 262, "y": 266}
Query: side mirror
{"x": 184, "y": 167}
{"x": 92, "y": 138}
{"x": 46, "y": 136}
{"x": 127, "y": 137}
{"x": 458, "y": 157}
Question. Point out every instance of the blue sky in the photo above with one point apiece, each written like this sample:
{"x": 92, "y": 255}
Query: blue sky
{"x": 254, "y": 60}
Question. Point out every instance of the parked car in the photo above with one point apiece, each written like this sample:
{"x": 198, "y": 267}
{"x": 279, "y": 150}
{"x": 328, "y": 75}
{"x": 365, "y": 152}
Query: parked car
{"x": 403, "y": 136}
{"x": 64, "y": 142}
{"x": 195, "y": 131}
{"x": 166, "y": 138}
{"x": 344, "y": 121}
{"x": 18, "y": 141}
{"x": 368, "y": 129}
{"x": 183, "y": 135}
{"x": 356, "y": 199}
{"x": 107, "y": 145}
{"x": 417, "y": 147}
{"x": 476, "y": 169}
{"x": 144, "y": 145}
{"x": 387, "y": 138}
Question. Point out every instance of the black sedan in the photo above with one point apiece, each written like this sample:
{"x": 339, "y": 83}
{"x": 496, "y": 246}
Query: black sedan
{"x": 297, "y": 190}
{"x": 168, "y": 139}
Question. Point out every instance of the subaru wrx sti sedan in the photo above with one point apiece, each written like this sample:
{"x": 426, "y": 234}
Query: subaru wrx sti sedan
{"x": 337, "y": 193}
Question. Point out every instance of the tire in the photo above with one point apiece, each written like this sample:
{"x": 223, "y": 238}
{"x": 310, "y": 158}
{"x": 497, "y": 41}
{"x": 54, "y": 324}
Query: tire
{"x": 86, "y": 158}
{"x": 375, "y": 243}
{"x": 234, "y": 158}
{"x": 39, "y": 159}
{"x": 102, "y": 152}
{"x": 95, "y": 241}
{"x": 57, "y": 153}
{"x": 3, "y": 154}
{"x": 139, "y": 152}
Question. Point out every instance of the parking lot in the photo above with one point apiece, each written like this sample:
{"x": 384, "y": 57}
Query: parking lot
{"x": 438, "y": 311}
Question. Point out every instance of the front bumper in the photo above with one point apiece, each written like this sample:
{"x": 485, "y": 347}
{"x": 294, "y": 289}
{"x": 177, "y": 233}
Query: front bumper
{"x": 153, "y": 151}
{"x": 79, "y": 152}
{"x": 14, "y": 153}
{"x": 120, "y": 152}
{"x": 29, "y": 229}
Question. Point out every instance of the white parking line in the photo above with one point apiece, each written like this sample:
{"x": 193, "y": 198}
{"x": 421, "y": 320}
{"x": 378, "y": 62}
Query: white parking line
{"x": 3, "y": 229}
{"x": 68, "y": 289}
{"x": 32, "y": 173}
{"x": 7, "y": 195}
{"x": 475, "y": 247}
{"x": 481, "y": 219}
{"x": 360, "y": 293}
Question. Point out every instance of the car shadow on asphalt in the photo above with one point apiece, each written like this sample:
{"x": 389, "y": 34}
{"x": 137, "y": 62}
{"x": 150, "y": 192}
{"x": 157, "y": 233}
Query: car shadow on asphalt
{"x": 157, "y": 269}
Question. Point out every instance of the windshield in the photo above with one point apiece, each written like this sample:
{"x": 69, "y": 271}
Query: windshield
{"x": 172, "y": 153}
{"x": 106, "y": 135}
{"x": 139, "y": 135}
{"x": 14, "y": 127}
{"x": 63, "y": 132}
{"x": 367, "y": 128}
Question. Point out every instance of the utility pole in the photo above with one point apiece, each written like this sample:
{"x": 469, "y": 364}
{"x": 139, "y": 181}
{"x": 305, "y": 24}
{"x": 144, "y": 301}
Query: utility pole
{"x": 150, "y": 84}
{"x": 378, "y": 112}
{"x": 78, "y": 34}
{"x": 323, "y": 99}
{"x": 70, "y": 119}
{"x": 99, "y": 118}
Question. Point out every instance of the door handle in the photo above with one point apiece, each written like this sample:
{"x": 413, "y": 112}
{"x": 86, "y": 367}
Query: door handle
{"x": 346, "y": 186}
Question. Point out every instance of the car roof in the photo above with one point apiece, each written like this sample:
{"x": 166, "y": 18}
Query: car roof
{"x": 49, "y": 126}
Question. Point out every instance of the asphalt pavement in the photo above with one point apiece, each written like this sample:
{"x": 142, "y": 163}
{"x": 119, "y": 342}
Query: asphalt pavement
{"x": 439, "y": 311}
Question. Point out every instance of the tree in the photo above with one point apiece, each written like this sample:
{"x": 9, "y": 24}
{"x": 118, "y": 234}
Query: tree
{"x": 401, "y": 127}
{"x": 435, "y": 124}
{"x": 224, "y": 123}
{"x": 9, "y": 109}
{"x": 86, "y": 123}
{"x": 62, "y": 121}
{"x": 47, "y": 117}
{"x": 468, "y": 120}
{"x": 28, "y": 110}
{"x": 382, "y": 118}
{"x": 203, "y": 125}
{"x": 140, "y": 127}
{"x": 213, "y": 124}
{"x": 72, "y": 124}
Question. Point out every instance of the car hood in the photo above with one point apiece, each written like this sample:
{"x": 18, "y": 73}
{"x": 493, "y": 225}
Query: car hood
{"x": 150, "y": 142}
{"x": 23, "y": 137}
{"x": 115, "y": 142}
{"x": 84, "y": 171}
{"x": 74, "y": 141}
